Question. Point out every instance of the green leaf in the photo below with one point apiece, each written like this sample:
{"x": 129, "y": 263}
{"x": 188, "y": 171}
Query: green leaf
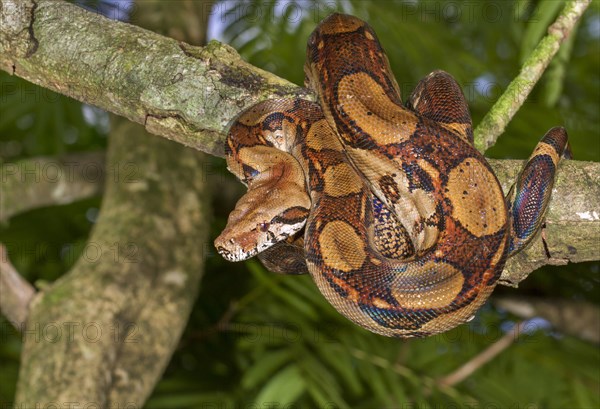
{"x": 323, "y": 399}
{"x": 286, "y": 296}
{"x": 584, "y": 397}
{"x": 340, "y": 361}
{"x": 265, "y": 367}
{"x": 544, "y": 14}
{"x": 189, "y": 400}
{"x": 284, "y": 388}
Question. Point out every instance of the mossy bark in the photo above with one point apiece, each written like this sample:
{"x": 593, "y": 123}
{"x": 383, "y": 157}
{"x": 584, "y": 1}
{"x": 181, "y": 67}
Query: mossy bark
{"x": 103, "y": 333}
{"x": 496, "y": 120}
{"x": 182, "y": 92}
{"x": 572, "y": 228}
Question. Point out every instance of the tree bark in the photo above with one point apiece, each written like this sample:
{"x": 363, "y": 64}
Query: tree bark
{"x": 572, "y": 228}
{"x": 45, "y": 181}
{"x": 178, "y": 91}
{"x": 103, "y": 333}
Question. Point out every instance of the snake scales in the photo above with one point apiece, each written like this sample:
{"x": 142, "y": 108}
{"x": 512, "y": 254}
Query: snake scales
{"x": 397, "y": 217}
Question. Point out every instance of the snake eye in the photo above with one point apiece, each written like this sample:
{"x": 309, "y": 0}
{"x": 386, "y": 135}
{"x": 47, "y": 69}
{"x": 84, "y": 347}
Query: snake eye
{"x": 264, "y": 226}
{"x": 249, "y": 172}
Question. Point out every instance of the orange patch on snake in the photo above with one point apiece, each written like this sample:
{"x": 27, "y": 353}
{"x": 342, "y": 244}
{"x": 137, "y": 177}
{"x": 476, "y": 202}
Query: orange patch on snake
{"x": 457, "y": 317}
{"x": 341, "y": 246}
{"x": 477, "y": 199}
{"x": 440, "y": 293}
{"x": 458, "y": 129}
{"x": 432, "y": 171}
{"x": 318, "y": 137}
{"x": 258, "y": 113}
{"x": 342, "y": 24}
{"x": 372, "y": 110}
{"x": 341, "y": 180}
{"x": 543, "y": 148}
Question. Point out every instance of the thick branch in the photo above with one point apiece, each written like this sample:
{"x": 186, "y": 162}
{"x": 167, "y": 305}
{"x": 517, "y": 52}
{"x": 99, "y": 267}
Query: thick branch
{"x": 185, "y": 93}
{"x": 572, "y": 231}
{"x": 45, "y": 181}
{"x": 103, "y": 333}
{"x": 496, "y": 120}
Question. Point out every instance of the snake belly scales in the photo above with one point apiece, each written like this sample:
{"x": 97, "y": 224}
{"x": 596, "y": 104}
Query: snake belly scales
{"x": 399, "y": 220}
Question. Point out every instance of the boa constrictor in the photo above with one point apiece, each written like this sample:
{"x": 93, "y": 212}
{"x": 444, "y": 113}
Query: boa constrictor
{"x": 397, "y": 217}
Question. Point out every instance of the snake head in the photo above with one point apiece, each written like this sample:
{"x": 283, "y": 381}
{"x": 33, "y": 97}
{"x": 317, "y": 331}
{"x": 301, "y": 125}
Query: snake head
{"x": 252, "y": 229}
{"x": 275, "y": 207}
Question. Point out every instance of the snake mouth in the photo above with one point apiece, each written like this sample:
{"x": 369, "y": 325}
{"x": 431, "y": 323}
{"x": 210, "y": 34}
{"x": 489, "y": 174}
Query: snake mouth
{"x": 226, "y": 254}
{"x": 248, "y": 243}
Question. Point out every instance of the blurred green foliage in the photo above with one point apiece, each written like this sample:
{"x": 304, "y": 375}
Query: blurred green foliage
{"x": 257, "y": 339}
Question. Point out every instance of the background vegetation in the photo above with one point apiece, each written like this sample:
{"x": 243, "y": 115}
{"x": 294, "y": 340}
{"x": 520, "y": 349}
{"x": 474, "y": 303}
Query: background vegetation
{"x": 255, "y": 337}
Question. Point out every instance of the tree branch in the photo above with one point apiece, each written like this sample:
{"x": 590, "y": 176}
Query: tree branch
{"x": 45, "y": 181}
{"x": 103, "y": 333}
{"x": 178, "y": 91}
{"x": 498, "y": 117}
{"x": 15, "y": 292}
{"x": 572, "y": 231}
{"x": 482, "y": 358}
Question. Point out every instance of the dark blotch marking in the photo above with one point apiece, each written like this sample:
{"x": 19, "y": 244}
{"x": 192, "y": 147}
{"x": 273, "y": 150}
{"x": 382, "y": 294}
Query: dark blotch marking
{"x": 389, "y": 187}
{"x": 417, "y": 177}
{"x": 293, "y": 215}
{"x": 249, "y": 172}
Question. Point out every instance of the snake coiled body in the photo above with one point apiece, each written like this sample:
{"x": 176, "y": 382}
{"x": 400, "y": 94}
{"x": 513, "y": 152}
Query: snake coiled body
{"x": 397, "y": 217}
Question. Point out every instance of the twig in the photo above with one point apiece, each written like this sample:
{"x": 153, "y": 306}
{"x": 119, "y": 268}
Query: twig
{"x": 484, "y": 357}
{"x": 15, "y": 292}
{"x": 496, "y": 120}
{"x": 223, "y": 324}
{"x": 427, "y": 382}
